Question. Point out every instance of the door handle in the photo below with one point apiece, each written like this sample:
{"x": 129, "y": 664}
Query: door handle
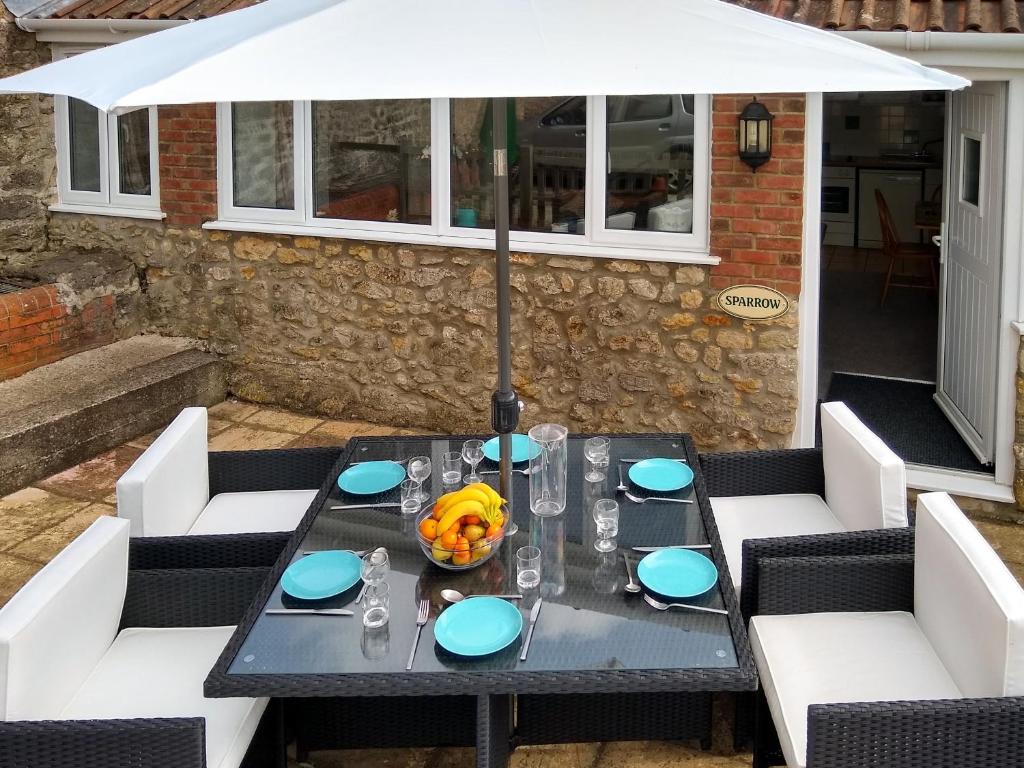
{"x": 664, "y": 127}
{"x": 580, "y": 134}
{"x": 937, "y": 240}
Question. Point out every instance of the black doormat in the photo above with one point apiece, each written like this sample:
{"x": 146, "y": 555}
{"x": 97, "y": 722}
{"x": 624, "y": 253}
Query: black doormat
{"x": 906, "y": 417}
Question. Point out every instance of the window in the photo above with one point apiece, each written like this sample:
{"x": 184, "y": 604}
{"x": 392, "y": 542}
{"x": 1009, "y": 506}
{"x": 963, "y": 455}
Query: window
{"x": 106, "y": 164}
{"x": 422, "y": 171}
{"x": 970, "y": 172}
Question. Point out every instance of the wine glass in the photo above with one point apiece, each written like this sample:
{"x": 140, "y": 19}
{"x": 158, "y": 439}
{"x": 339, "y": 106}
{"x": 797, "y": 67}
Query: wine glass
{"x": 606, "y": 515}
{"x": 419, "y": 470}
{"x": 596, "y": 449}
{"x": 473, "y": 454}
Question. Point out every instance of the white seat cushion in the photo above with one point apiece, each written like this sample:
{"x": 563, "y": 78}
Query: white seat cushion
{"x": 263, "y": 511}
{"x": 865, "y": 482}
{"x": 160, "y": 673}
{"x": 167, "y": 487}
{"x": 829, "y": 658}
{"x": 765, "y": 517}
{"x": 57, "y": 627}
{"x": 968, "y": 604}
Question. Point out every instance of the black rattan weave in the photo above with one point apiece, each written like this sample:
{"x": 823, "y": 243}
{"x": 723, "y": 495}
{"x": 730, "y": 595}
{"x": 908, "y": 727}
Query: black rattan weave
{"x": 242, "y": 550}
{"x": 760, "y": 473}
{"x": 139, "y": 743}
{"x": 190, "y": 597}
{"x": 286, "y": 469}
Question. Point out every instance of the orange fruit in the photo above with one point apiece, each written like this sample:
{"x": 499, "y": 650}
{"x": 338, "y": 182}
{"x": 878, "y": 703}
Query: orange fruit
{"x": 450, "y": 539}
{"x": 456, "y": 528}
{"x": 462, "y": 545}
{"x": 493, "y": 531}
{"x": 436, "y": 514}
{"x": 471, "y": 520}
{"x": 429, "y": 528}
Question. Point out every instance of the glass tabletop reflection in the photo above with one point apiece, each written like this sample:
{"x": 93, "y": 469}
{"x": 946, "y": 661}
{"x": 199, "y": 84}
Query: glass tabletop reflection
{"x": 587, "y": 621}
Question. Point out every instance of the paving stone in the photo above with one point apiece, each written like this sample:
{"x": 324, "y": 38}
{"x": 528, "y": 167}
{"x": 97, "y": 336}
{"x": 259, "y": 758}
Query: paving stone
{"x": 282, "y": 421}
{"x": 316, "y": 440}
{"x": 43, "y": 547}
{"x": 242, "y": 438}
{"x": 31, "y": 511}
{"x": 14, "y": 572}
{"x": 656, "y": 754}
{"x": 343, "y": 430}
{"x": 1006, "y": 538}
{"x": 233, "y": 410}
{"x": 214, "y": 427}
{"x": 375, "y": 758}
{"x": 94, "y": 479}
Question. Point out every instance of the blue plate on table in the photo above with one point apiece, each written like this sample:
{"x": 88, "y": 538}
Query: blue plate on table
{"x": 523, "y": 449}
{"x": 677, "y": 573}
{"x": 661, "y": 474}
{"x": 322, "y": 574}
{"x": 371, "y": 477}
{"x": 478, "y": 626}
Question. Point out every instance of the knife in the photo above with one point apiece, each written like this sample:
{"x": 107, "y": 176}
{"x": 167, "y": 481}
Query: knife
{"x": 308, "y": 611}
{"x": 534, "y": 612}
{"x": 674, "y": 546}
{"x": 365, "y": 506}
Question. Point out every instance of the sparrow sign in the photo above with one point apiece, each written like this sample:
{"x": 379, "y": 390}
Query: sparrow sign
{"x": 753, "y": 302}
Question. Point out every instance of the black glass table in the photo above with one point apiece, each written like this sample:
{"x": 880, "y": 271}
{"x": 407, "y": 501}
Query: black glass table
{"x": 592, "y": 638}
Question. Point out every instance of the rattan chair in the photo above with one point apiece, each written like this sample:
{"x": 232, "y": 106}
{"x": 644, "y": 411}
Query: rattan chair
{"x": 103, "y": 665}
{"x": 176, "y": 487}
{"x": 893, "y": 660}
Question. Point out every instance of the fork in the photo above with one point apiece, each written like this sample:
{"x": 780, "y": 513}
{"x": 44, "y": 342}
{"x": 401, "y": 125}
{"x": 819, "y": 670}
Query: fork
{"x": 622, "y": 483}
{"x": 642, "y": 499}
{"x": 421, "y": 619}
{"x": 665, "y": 606}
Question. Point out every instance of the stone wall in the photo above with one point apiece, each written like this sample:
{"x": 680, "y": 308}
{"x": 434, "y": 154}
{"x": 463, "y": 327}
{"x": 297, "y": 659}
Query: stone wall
{"x": 406, "y": 334}
{"x": 1018, "y": 441}
{"x": 27, "y": 166}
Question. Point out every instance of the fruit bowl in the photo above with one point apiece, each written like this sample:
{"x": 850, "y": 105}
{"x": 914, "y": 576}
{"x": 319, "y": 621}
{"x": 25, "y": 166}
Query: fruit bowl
{"x": 472, "y": 531}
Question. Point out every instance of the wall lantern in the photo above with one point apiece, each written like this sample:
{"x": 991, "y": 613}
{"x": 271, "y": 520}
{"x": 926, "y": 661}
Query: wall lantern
{"x": 755, "y": 141}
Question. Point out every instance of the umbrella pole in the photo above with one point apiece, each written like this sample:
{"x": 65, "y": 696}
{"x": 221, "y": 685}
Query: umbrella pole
{"x": 505, "y": 401}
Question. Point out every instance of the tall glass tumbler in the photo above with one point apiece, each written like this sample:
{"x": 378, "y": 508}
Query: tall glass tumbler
{"x": 548, "y": 469}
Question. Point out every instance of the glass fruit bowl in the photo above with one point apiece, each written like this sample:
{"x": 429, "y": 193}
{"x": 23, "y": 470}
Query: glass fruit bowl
{"x": 462, "y": 549}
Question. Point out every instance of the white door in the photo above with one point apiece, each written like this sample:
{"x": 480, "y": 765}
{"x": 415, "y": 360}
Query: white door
{"x": 971, "y": 247}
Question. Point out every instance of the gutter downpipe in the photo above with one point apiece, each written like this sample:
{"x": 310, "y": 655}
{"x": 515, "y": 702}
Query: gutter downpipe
{"x": 977, "y": 42}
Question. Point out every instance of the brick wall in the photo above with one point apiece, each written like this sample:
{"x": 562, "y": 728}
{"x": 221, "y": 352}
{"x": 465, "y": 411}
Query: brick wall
{"x": 757, "y": 218}
{"x": 188, "y": 163}
{"x": 36, "y": 328}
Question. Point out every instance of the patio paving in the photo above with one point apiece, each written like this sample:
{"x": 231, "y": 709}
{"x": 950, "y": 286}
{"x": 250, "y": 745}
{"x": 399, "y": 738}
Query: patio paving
{"x": 36, "y": 522}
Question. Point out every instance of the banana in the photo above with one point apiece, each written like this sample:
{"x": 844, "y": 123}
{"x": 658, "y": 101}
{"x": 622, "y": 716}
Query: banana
{"x": 463, "y": 494}
{"x": 454, "y": 513}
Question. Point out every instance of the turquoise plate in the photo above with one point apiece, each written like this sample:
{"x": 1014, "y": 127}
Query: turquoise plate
{"x": 371, "y": 477}
{"x": 661, "y": 474}
{"x": 320, "y": 575}
{"x": 478, "y": 626}
{"x": 523, "y": 449}
{"x": 677, "y": 573}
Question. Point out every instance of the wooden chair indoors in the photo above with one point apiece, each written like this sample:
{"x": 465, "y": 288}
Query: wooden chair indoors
{"x": 906, "y": 252}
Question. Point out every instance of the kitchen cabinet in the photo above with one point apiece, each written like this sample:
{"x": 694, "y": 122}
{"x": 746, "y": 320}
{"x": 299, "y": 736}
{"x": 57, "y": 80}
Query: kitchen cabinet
{"x": 902, "y": 191}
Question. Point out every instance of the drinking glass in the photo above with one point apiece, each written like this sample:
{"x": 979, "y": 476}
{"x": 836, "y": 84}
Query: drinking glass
{"x": 375, "y": 566}
{"x": 419, "y": 469}
{"x": 597, "y": 450}
{"x": 410, "y": 496}
{"x": 473, "y": 454}
{"x": 548, "y": 469}
{"x": 528, "y": 567}
{"x": 451, "y": 468}
{"x": 606, "y": 515}
{"x": 377, "y": 605}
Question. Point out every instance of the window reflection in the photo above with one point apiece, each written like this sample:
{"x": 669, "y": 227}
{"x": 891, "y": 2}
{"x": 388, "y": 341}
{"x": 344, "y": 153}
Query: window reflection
{"x": 371, "y": 160}
{"x": 263, "y": 152}
{"x": 650, "y": 163}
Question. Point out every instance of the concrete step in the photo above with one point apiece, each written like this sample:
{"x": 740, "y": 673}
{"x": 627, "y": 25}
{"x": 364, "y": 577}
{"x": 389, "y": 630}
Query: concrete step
{"x": 64, "y": 413}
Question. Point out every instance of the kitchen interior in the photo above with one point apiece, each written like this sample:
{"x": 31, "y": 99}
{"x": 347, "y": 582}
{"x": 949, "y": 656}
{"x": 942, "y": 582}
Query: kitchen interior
{"x": 878, "y": 342}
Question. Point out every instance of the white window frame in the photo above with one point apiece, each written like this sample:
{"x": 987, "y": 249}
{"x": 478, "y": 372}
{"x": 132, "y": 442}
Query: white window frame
{"x": 598, "y": 241}
{"x": 109, "y": 201}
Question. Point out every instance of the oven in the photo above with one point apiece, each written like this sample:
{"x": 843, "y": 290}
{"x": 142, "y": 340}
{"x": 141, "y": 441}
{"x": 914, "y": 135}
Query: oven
{"x": 839, "y": 204}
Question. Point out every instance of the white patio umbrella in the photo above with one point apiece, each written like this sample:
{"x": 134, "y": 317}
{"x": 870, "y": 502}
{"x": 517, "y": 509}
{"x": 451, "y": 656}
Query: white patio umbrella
{"x": 324, "y": 50}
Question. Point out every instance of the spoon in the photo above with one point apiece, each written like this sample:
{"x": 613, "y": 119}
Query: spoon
{"x": 454, "y": 596}
{"x": 632, "y": 587}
